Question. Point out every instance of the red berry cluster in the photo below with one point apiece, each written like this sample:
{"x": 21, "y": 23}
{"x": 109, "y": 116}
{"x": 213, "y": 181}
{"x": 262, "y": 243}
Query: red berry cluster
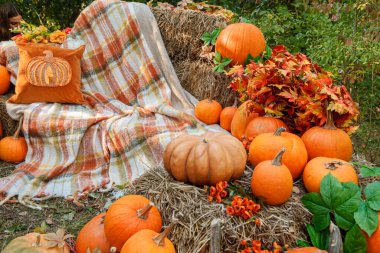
{"x": 244, "y": 208}
{"x": 218, "y": 192}
{"x": 256, "y": 247}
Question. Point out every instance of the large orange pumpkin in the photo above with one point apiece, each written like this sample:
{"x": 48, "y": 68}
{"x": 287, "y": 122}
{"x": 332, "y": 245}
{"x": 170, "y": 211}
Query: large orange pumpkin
{"x": 208, "y": 111}
{"x": 92, "y": 236}
{"x": 206, "y": 159}
{"x": 246, "y": 112}
{"x": 13, "y": 148}
{"x": 265, "y": 147}
{"x": 319, "y": 167}
{"x": 33, "y": 243}
{"x": 149, "y": 241}
{"x": 328, "y": 141}
{"x": 262, "y": 125}
{"x": 373, "y": 242}
{"x": 226, "y": 116}
{"x": 128, "y": 215}
{"x": 306, "y": 250}
{"x": 239, "y": 40}
{"x": 272, "y": 181}
{"x": 5, "y": 78}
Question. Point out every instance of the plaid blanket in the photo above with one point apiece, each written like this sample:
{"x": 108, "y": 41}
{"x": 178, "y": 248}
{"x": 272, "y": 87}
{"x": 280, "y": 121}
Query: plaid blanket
{"x": 129, "y": 119}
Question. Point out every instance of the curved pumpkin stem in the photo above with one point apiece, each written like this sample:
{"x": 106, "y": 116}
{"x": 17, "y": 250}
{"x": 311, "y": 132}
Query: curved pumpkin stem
{"x": 333, "y": 165}
{"x": 277, "y": 161}
{"x": 18, "y": 130}
{"x": 113, "y": 250}
{"x": 38, "y": 241}
{"x": 143, "y": 213}
{"x": 160, "y": 239}
{"x": 48, "y": 56}
{"x": 330, "y": 121}
{"x": 279, "y": 131}
{"x": 235, "y": 102}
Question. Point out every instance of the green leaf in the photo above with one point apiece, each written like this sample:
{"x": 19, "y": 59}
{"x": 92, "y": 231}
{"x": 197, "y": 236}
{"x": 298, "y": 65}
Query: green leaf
{"x": 318, "y": 239}
{"x": 367, "y": 171}
{"x": 268, "y": 52}
{"x": 301, "y": 243}
{"x": 349, "y": 202}
{"x": 218, "y": 69}
{"x": 330, "y": 190}
{"x": 207, "y": 38}
{"x": 344, "y": 220}
{"x": 314, "y": 203}
{"x": 321, "y": 221}
{"x": 248, "y": 59}
{"x": 217, "y": 58}
{"x": 372, "y": 194}
{"x": 246, "y": 20}
{"x": 366, "y": 218}
{"x": 225, "y": 62}
{"x": 355, "y": 242}
{"x": 214, "y": 35}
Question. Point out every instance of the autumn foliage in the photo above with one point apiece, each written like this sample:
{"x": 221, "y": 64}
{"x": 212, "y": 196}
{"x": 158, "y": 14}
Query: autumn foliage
{"x": 296, "y": 89}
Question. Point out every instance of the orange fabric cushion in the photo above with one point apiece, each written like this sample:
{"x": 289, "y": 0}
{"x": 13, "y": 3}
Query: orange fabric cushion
{"x": 45, "y": 76}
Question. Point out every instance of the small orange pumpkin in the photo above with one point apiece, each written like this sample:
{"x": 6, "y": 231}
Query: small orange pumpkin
{"x": 128, "y": 215}
{"x": 239, "y": 40}
{"x": 319, "y": 167}
{"x": 149, "y": 241}
{"x": 226, "y": 116}
{"x": 13, "y": 148}
{"x": 373, "y": 242}
{"x": 328, "y": 141}
{"x": 206, "y": 159}
{"x": 265, "y": 146}
{"x": 246, "y": 112}
{"x": 306, "y": 250}
{"x": 262, "y": 125}
{"x": 5, "y": 78}
{"x": 272, "y": 181}
{"x": 208, "y": 111}
{"x": 92, "y": 236}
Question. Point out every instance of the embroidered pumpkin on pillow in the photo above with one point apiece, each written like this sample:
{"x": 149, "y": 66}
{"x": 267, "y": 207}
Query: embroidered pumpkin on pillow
{"x": 48, "y": 70}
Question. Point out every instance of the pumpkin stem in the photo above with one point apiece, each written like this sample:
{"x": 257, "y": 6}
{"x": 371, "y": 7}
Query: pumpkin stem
{"x": 143, "y": 212}
{"x": 277, "y": 161}
{"x": 113, "y": 249}
{"x": 160, "y": 239}
{"x": 279, "y": 131}
{"x": 48, "y": 56}
{"x": 18, "y": 130}
{"x": 235, "y": 102}
{"x": 330, "y": 121}
{"x": 205, "y": 140}
{"x": 333, "y": 165}
{"x": 38, "y": 241}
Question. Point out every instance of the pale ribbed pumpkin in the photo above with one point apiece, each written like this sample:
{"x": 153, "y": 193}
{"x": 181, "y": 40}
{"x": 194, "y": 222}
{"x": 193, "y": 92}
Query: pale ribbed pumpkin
{"x": 239, "y": 40}
{"x": 206, "y": 159}
{"x": 48, "y": 70}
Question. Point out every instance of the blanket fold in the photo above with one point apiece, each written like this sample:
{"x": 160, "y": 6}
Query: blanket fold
{"x": 135, "y": 107}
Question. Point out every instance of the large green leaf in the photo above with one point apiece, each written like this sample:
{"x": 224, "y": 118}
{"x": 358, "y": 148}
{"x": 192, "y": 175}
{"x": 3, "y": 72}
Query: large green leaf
{"x": 366, "y": 218}
{"x": 318, "y": 239}
{"x": 355, "y": 242}
{"x": 321, "y": 221}
{"x": 314, "y": 203}
{"x": 330, "y": 190}
{"x": 367, "y": 171}
{"x": 347, "y": 204}
{"x": 372, "y": 194}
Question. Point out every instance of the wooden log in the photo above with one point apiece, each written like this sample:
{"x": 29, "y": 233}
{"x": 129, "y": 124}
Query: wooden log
{"x": 336, "y": 243}
{"x": 216, "y": 236}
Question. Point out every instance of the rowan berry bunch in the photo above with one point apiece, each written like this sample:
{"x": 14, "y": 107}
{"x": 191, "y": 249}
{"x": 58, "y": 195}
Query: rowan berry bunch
{"x": 255, "y": 246}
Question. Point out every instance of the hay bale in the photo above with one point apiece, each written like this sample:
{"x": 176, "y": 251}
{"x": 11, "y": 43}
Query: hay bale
{"x": 181, "y": 32}
{"x": 9, "y": 125}
{"x": 284, "y": 224}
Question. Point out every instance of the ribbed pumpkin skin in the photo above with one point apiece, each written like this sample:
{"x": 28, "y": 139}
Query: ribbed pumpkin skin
{"x": 334, "y": 143}
{"x": 24, "y": 244}
{"x": 208, "y": 111}
{"x": 5, "y": 82}
{"x": 262, "y": 125}
{"x": 306, "y": 250}
{"x": 92, "y": 236}
{"x": 238, "y": 40}
{"x": 142, "y": 242}
{"x": 265, "y": 147}
{"x": 13, "y": 149}
{"x": 122, "y": 220}
{"x": 206, "y": 159}
{"x": 373, "y": 242}
{"x": 241, "y": 119}
{"x": 226, "y": 117}
{"x": 316, "y": 169}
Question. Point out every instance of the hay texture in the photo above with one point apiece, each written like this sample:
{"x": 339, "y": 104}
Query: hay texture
{"x": 181, "y": 32}
{"x": 189, "y": 204}
{"x": 9, "y": 125}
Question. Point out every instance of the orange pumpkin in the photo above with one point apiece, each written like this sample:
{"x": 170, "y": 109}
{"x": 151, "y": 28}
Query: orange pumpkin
{"x": 34, "y": 243}
{"x": 262, "y": 125}
{"x": 272, "y": 181}
{"x": 373, "y": 242}
{"x": 206, "y": 159}
{"x": 5, "y": 78}
{"x": 239, "y": 40}
{"x": 13, "y": 148}
{"x": 149, "y": 241}
{"x": 306, "y": 250}
{"x": 48, "y": 70}
{"x": 208, "y": 111}
{"x": 128, "y": 215}
{"x": 319, "y": 167}
{"x": 246, "y": 112}
{"x": 226, "y": 116}
{"x": 92, "y": 236}
{"x": 328, "y": 141}
{"x": 265, "y": 146}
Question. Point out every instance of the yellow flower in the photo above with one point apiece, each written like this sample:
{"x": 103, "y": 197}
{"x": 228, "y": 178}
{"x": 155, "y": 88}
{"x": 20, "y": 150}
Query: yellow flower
{"x": 57, "y": 37}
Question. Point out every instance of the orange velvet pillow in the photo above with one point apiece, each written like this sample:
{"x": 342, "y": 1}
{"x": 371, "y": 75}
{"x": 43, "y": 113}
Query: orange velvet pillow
{"x": 48, "y": 74}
